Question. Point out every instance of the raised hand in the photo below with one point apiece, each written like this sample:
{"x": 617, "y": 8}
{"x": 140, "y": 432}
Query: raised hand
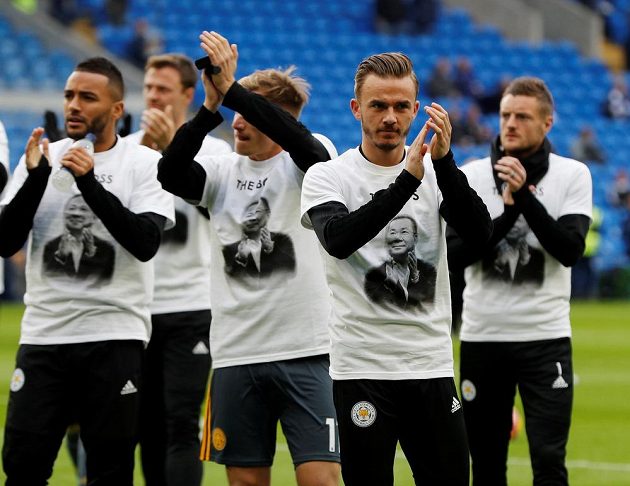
{"x": 159, "y": 128}
{"x": 440, "y": 123}
{"x": 36, "y": 146}
{"x": 416, "y": 153}
{"x": 223, "y": 55}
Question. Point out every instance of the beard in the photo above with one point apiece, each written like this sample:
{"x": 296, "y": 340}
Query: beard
{"x": 96, "y": 127}
{"x": 386, "y": 146}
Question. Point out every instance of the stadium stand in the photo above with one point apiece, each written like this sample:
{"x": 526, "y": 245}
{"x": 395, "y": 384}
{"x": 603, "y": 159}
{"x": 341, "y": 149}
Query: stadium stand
{"x": 326, "y": 39}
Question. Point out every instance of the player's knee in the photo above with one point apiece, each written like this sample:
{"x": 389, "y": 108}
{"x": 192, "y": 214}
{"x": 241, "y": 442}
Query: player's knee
{"x": 249, "y": 476}
{"x": 318, "y": 473}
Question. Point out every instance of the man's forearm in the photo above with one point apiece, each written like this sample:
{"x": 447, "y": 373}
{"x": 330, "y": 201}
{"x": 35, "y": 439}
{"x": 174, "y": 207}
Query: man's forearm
{"x": 16, "y": 219}
{"x": 178, "y": 172}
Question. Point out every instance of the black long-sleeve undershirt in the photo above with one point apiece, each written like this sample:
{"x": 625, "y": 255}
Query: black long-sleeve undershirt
{"x": 341, "y": 232}
{"x": 563, "y": 239}
{"x": 178, "y": 172}
{"x": 4, "y": 177}
{"x": 139, "y": 234}
{"x": 16, "y": 219}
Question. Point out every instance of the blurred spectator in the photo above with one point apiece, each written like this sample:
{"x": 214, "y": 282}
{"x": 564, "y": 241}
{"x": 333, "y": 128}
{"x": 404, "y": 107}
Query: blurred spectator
{"x": 441, "y": 82}
{"x": 464, "y": 78}
{"x": 423, "y": 15}
{"x": 146, "y": 42}
{"x": 584, "y": 277}
{"x": 618, "y": 100}
{"x": 469, "y": 128}
{"x": 406, "y": 16}
{"x": 390, "y": 16}
{"x": 585, "y": 147}
{"x": 116, "y": 10}
{"x": 65, "y": 11}
{"x": 489, "y": 101}
{"x": 620, "y": 188}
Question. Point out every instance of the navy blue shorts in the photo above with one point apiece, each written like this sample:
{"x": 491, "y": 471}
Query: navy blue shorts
{"x": 247, "y": 402}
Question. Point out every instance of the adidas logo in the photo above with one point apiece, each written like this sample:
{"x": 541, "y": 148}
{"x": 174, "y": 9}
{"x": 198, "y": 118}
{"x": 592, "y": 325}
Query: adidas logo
{"x": 559, "y": 383}
{"x": 200, "y": 348}
{"x": 128, "y": 388}
{"x": 456, "y": 405}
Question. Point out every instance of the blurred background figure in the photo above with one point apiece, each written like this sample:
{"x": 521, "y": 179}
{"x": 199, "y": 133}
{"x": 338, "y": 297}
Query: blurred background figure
{"x": 586, "y": 148}
{"x": 413, "y": 17}
{"x": 584, "y": 275}
{"x": 620, "y": 188}
{"x": 441, "y": 82}
{"x": 618, "y": 101}
{"x": 116, "y": 11}
{"x": 146, "y": 41}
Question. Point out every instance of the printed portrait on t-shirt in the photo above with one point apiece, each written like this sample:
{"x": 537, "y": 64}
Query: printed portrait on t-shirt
{"x": 514, "y": 260}
{"x": 78, "y": 253}
{"x": 403, "y": 279}
{"x": 259, "y": 252}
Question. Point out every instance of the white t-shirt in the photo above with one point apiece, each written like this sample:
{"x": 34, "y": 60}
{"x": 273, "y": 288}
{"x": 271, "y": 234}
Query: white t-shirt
{"x": 4, "y": 160}
{"x": 391, "y": 298}
{"x": 520, "y": 292}
{"x": 182, "y": 268}
{"x": 81, "y": 285}
{"x": 269, "y": 295}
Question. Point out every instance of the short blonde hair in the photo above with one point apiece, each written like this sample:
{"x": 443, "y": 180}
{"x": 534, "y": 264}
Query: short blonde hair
{"x": 282, "y": 87}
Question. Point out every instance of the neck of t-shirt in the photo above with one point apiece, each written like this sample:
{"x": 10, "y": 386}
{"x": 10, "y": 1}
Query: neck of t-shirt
{"x": 386, "y": 160}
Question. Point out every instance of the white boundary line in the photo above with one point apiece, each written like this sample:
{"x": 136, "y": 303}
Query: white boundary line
{"x": 578, "y": 464}
{"x": 525, "y": 462}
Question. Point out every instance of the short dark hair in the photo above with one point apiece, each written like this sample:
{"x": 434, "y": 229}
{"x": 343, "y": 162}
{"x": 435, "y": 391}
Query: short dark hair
{"x": 386, "y": 65}
{"x": 181, "y": 63}
{"x": 102, "y": 65}
{"x": 534, "y": 87}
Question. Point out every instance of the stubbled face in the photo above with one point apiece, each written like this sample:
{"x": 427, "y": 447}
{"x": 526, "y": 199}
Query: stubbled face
{"x": 523, "y": 125}
{"x": 386, "y": 108}
{"x": 400, "y": 237}
{"x": 78, "y": 214}
{"x": 89, "y": 106}
{"x": 163, "y": 87}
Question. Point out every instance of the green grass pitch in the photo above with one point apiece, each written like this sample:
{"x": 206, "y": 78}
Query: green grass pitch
{"x": 599, "y": 446}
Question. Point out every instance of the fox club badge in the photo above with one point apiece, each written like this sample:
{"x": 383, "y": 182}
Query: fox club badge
{"x": 17, "y": 380}
{"x": 363, "y": 414}
{"x": 469, "y": 392}
{"x": 218, "y": 439}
